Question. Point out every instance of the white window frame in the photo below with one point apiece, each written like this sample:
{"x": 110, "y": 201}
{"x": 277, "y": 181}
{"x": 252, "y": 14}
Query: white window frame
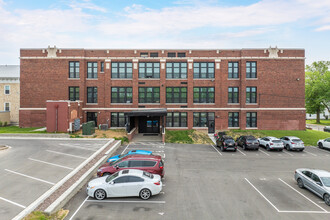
{"x": 4, "y": 106}
{"x": 4, "y": 88}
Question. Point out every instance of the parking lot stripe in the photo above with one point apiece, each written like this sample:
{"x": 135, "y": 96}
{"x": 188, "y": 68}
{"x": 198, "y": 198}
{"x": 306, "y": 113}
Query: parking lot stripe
{"x": 31, "y": 177}
{"x": 310, "y": 153}
{"x": 302, "y": 194}
{"x": 126, "y": 201}
{"x": 311, "y": 212}
{"x": 57, "y": 165}
{"x": 79, "y": 208}
{"x": 14, "y": 203}
{"x": 216, "y": 150}
{"x": 83, "y": 148}
{"x": 287, "y": 153}
{"x": 71, "y": 155}
{"x": 125, "y": 149}
{"x": 241, "y": 152}
{"x": 262, "y": 195}
{"x": 264, "y": 152}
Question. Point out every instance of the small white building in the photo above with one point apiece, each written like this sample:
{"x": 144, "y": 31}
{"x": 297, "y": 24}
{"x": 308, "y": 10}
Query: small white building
{"x": 323, "y": 115}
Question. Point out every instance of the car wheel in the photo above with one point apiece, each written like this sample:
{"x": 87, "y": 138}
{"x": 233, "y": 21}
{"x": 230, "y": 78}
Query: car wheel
{"x": 100, "y": 194}
{"x": 145, "y": 194}
{"x": 280, "y": 149}
{"x": 300, "y": 183}
{"x": 222, "y": 149}
{"x": 257, "y": 148}
{"x": 267, "y": 148}
{"x": 235, "y": 150}
{"x": 244, "y": 147}
{"x": 321, "y": 145}
{"x": 326, "y": 199}
{"x": 287, "y": 147}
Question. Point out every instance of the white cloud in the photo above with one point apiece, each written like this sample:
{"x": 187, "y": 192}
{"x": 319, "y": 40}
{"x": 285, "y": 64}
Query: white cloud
{"x": 324, "y": 28}
{"x": 86, "y": 4}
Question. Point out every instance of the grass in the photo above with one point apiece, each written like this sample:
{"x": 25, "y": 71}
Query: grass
{"x": 309, "y": 137}
{"x": 16, "y": 129}
{"x": 187, "y": 137}
{"x": 38, "y": 215}
{"x": 322, "y": 122}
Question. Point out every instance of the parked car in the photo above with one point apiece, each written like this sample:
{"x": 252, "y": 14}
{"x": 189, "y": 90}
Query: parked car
{"x": 317, "y": 181}
{"x": 325, "y": 143}
{"x": 326, "y": 129}
{"x": 150, "y": 163}
{"x": 116, "y": 157}
{"x": 248, "y": 142}
{"x": 125, "y": 183}
{"x": 293, "y": 143}
{"x": 226, "y": 143}
{"x": 271, "y": 143}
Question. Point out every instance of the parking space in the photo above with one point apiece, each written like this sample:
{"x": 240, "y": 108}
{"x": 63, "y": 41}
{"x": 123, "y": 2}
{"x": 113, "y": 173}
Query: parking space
{"x": 202, "y": 182}
{"x": 32, "y": 166}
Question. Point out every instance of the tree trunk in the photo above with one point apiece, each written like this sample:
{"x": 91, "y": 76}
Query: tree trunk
{"x": 318, "y": 116}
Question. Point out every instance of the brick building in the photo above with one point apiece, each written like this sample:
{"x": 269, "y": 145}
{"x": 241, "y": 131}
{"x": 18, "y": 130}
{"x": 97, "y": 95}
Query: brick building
{"x": 179, "y": 89}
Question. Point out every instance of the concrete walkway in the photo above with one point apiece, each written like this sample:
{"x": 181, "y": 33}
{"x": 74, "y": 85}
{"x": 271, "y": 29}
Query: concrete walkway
{"x": 315, "y": 127}
{"x": 147, "y": 138}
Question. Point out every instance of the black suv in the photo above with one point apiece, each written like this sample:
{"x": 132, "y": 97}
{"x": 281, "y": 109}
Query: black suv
{"x": 248, "y": 142}
{"x": 226, "y": 143}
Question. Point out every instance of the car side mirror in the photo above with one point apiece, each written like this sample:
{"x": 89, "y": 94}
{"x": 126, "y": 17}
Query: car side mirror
{"x": 117, "y": 167}
{"x": 112, "y": 182}
{"x": 319, "y": 183}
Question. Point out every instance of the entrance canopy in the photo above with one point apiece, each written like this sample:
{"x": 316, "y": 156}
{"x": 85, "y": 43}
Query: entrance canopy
{"x": 148, "y": 113}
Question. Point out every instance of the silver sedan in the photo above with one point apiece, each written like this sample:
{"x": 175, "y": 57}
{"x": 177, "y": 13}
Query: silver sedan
{"x": 317, "y": 181}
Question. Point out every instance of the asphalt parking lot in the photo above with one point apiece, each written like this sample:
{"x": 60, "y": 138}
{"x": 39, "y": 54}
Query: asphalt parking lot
{"x": 30, "y": 167}
{"x": 201, "y": 182}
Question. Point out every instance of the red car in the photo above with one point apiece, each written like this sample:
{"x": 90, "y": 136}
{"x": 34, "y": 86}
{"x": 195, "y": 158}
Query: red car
{"x": 150, "y": 163}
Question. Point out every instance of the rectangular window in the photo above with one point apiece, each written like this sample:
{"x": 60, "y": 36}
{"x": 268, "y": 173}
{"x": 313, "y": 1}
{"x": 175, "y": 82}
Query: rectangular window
{"x": 121, "y": 70}
{"x": 176, "y": 70}
{"x": 176, "y": 119}
{"x": 201, "y": 118}
{"x": 155, "y": 54}
{"x": 176, "y": 95}
{"x": 7, "y": 107}
{"x": 181, "y": 54}
{"x": 74, "y": 69}
{"x": 121, "y": 94}
{"x": 73, "y": 93}
{"x": 251, "y": 94}
{"x": 144, "y": 54}
{"x": 203, "y": 94}
{"x": 171, "y": 54}
{"x": 232, "y": 70}
{"x": 233, "y": 120}
{"x": 203, "y": 70}
{"x": 118, "y": 119}
{"x": 149, "y": 70}
{"x": 251, "y": 119}
{"x": 102, "y": 67}
{"x": 148, "y": 94}
{"x": 251, "y": 69}
{"x": 91, "y": 94}
{"x": 7, "y": 89}
{"x": 92, "y": 70}
{"x": 232, "y": 94}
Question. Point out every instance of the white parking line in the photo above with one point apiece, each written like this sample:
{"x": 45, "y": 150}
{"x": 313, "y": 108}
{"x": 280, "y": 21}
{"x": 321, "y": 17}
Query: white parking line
{"x": 311, "y": 212}
{"x": 79, "y": 208}
{"x": 71, "y": 155}
{"x": 126, "y": 201}
{"x": 262, "y": 195}
{"x": 302, "y": 195}
{"x": 31, "y": 177}
{"x": 216, "y": 150}
{"x": 241, "y": 152}
{"x": 83, "y": 148}
{"x": 14, "y": 203}
{"x": 125, "y": 149}
{"x": 263, "y": 152}
{"x": 53, "y": 164}
{"x": 287, "y": 153}
{"x": 310, "y": 153}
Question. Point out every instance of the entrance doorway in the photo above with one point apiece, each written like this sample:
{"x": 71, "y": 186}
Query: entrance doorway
{"x": 211, "y": 127}
{"x": 92, "y": 116}
{"x": 148, "y": 124}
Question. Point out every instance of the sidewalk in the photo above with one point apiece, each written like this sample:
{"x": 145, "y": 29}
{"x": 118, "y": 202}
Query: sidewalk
{"x": 315, "y": 127}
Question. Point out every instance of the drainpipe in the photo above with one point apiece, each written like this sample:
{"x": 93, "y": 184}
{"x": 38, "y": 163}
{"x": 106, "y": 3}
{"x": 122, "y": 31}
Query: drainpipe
{"x": 56, "y": 118}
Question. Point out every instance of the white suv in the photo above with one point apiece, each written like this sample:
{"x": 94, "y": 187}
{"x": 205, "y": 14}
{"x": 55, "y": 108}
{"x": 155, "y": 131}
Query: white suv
{"x": 293, "y": 143}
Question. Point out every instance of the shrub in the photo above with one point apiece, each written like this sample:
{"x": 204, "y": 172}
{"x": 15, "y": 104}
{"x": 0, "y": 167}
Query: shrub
{"x": 0, "y": 123}
{"x": 5, "y": 124}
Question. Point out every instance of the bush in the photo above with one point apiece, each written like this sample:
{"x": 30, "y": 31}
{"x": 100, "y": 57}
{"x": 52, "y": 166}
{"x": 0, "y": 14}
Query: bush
{"x": 5, "y": 124}
{"x": 0, "y": 123}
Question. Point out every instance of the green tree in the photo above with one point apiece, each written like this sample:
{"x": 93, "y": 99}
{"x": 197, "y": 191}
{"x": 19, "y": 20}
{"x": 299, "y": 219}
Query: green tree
{"x": 317, "y": 88}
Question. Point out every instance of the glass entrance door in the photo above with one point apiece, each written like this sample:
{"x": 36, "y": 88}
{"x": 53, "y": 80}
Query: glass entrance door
{"x": 152, "y": 125}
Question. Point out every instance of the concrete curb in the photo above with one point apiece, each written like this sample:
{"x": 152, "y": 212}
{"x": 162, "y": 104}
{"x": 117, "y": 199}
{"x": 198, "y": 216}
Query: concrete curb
{"x": 11, "y": 135}
{"x": 37, "y": 202}
{"x": 69, "y": 193}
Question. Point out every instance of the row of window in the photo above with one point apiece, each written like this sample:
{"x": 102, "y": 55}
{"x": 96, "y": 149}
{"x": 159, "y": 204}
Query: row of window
{"x": 169, "y": 54}
{"x": 173, "y": 94}
{"x": 174, "y": 70}
{"x": 200, "y": 119}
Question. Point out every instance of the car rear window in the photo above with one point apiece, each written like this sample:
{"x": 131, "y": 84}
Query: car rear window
{"x": 161, "y": 163}
{"x": 148, "y": 175}
{"x": 276, "y": 141}
{"x": 296, "y": 140}
{"x": 148, "y": 163}
{"x": 250, "y": 138}
{"x": 136, "y": 163}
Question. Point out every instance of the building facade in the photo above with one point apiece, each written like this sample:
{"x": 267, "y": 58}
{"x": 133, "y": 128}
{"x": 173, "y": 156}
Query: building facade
{"x": 176, "y": 89}
{"x": 10, "y": 91}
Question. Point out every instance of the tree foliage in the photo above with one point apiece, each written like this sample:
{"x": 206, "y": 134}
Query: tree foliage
{"x": 317, "y": 88}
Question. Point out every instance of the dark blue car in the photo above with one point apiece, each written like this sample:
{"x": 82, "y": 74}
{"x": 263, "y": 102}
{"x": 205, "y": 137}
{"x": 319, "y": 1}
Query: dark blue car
{"x": 116, "y": 157}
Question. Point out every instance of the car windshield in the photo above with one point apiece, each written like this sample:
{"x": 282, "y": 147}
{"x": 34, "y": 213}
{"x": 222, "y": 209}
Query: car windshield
{"x": 277, "y": 141}
{"x": 116, "y": 161}
{"x": 296, "y": 140}
{"x": 326, "y": 181}
{"x": 110, "y": 178}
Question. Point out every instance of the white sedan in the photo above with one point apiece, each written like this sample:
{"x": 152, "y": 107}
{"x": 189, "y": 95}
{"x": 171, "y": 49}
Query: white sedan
{"x": 324, "y": 143}
{"x": 125, "y": 183}
{"x": 271, "y": 143}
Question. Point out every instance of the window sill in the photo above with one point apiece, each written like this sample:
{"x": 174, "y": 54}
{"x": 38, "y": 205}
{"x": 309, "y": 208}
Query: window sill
{"x": 251, "y": 103}
{"x": 203, "y": 128}
{"x": 121, "y": 79}
{"x": 233, "y": 79}
{"x": 149, "y": 104}
{"x": 113, "y": 128}
{"x": 234, "y": 128}
{"x": 204, "y": 103}
{"x": 204, "y": 79}
{"x": 254, "y": 128}
{"x": 73, "y": 78}
{"x": 92, "y": 103}
{"x": 149, "y": 78}
{"x": 177, "y": 103}
{"x": 102, "y": 72}
{"x": 251, "y": 78}
{"x": 233, "y": 104}
{"x": 91, "y": 78}
{"x": 176, "y": 128}
{"x": 185, "y": 79}
{"x": 121, "y": 103}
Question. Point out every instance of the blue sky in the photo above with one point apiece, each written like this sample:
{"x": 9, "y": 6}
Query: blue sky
{"x": 190, "y": 24}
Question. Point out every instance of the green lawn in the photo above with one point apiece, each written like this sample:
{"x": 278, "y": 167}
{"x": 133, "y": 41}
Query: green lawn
{"x": 309, "y": 137}
{"x": 179, "y": 136}
{"x": 15, "y": 129}
{"x": 323, "y": 122}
